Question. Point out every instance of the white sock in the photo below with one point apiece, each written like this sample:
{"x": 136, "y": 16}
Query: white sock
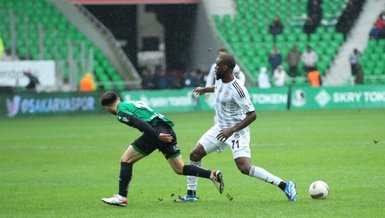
{"x": 262, "y": 174}
{"x": 192, "y": 181}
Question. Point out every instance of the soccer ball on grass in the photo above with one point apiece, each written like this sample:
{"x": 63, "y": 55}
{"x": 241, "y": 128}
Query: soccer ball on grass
{"x": 319, "y": 190}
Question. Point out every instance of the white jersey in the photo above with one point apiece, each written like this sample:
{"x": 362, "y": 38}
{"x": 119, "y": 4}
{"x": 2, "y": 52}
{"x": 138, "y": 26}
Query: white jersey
{"x": 236, "y": 72}
{"x": 232, "y": 102}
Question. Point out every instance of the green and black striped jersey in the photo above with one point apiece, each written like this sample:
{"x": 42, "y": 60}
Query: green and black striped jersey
{"x": 141, "y": 111}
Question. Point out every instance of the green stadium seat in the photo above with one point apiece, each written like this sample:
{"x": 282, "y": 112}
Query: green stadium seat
{"x": 33, "y": 13}
{"x": 259, "y": 14}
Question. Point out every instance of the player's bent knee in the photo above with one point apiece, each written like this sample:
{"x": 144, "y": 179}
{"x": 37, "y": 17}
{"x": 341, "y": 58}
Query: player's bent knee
{"x": 195, "y": 156}
{"x": 197, "y": 153}
{"x": 244, "y": 169}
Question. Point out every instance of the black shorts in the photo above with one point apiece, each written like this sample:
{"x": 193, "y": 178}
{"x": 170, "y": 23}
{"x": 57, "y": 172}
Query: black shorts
{"x": 146, "y": 144}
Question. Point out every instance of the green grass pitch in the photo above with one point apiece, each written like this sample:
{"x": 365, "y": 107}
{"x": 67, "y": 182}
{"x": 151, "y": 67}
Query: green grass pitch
{"x": 62, "y": 166}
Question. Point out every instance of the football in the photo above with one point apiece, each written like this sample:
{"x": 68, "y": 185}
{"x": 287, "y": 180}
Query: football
{"x": 319, "y": 190}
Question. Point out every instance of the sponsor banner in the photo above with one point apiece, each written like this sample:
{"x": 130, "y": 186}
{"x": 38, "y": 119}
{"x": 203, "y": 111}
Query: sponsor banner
{"x": 185, "y": 100}
{"x": 338, "y": 97}
{"x": 11, "y": 73}
{"x": 269, "y": 99}
{"x": 165, "y": 100}
{"x": 31, "y": 104}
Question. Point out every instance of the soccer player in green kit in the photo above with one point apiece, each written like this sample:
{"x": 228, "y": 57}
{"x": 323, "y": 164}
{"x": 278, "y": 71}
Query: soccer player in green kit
{"x": 157, "y": 134}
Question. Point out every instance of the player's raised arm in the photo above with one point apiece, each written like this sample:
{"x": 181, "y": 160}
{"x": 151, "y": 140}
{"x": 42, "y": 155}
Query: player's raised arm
{"x": 203, "y": 90}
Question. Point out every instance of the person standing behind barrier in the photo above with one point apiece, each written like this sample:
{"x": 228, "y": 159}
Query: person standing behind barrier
{"x": 279, "y": 76}
{"x": 263, "y": 79}
{"x": 293, "y": 59}
{"x": 354, "y": 60}
{"x": 275, "y": 58}
{"x": 87, "y": 83}
{"x": 314, "y": 77}
{"x": 309, "y": 59}
{"x": 309, "y": 27}
{"x": 276, "y": 27}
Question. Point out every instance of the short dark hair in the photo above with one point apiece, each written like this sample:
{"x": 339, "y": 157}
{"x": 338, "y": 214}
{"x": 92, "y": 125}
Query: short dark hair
{"x": 222, "y": 50}
{"x": 228, "y": 60}
{"x": 108, "y": 98}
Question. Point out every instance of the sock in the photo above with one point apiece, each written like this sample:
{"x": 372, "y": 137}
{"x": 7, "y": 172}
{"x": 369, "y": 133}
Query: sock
{"x": 282, "y": 186}
{"x": 124, "y": 178}
{"x": 191, "y": 170}
{"x": 262, "y": 174}
{"x": 191, "y": 192}
{"x": 192, "y": 181}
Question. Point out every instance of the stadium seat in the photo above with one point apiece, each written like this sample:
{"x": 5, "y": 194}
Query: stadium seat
{"x": 260, "y": 13}
{"x": 372, "y": 61}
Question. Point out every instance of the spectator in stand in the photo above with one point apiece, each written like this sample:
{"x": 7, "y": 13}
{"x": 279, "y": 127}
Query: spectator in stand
{"x": 380, "y": 24}
{"x": 279, "y": 76}
{"x": 87, "y": 83}
{"x": 175, "y": 79}
{"x": 359, "y": 78}
{"x": 309, "y": 59}
{"x": 293, "y": 59}
{"x": 314, "y": 10}
{"x": 309, "y": 27}
{"x": 374, "y": 33}
{"x": 147, "y": 79}
{"x": 354, "y": 60}
{"x": 276, "y": 27}
{"x": 189, "y": 79}
{"x": 201, "y": 77}
{"x": 263, "y": 79}
{"x": 314, "y": 77}
{"x": 275, "y": 58}
{"x": 161, "y": 80}
{"x": 349, "y": 15}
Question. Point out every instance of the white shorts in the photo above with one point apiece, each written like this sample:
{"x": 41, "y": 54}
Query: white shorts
{"x": 238, "y": 142}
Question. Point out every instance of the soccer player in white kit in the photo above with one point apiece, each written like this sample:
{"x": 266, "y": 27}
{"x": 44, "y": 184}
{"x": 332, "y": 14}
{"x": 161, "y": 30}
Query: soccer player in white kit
{"x": 210, "y": 81}
{"x": 234, "y": 113}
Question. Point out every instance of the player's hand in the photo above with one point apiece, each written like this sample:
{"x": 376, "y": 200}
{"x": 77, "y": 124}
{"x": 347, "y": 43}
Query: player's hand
{"x": 224, "y": 134}
{"x": 165, "y": 137}
{"x": 199, "y": 90}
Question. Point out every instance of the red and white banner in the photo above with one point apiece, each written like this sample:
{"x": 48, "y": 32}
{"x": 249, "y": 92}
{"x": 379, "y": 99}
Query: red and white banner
{"x": 111, "y": 2}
